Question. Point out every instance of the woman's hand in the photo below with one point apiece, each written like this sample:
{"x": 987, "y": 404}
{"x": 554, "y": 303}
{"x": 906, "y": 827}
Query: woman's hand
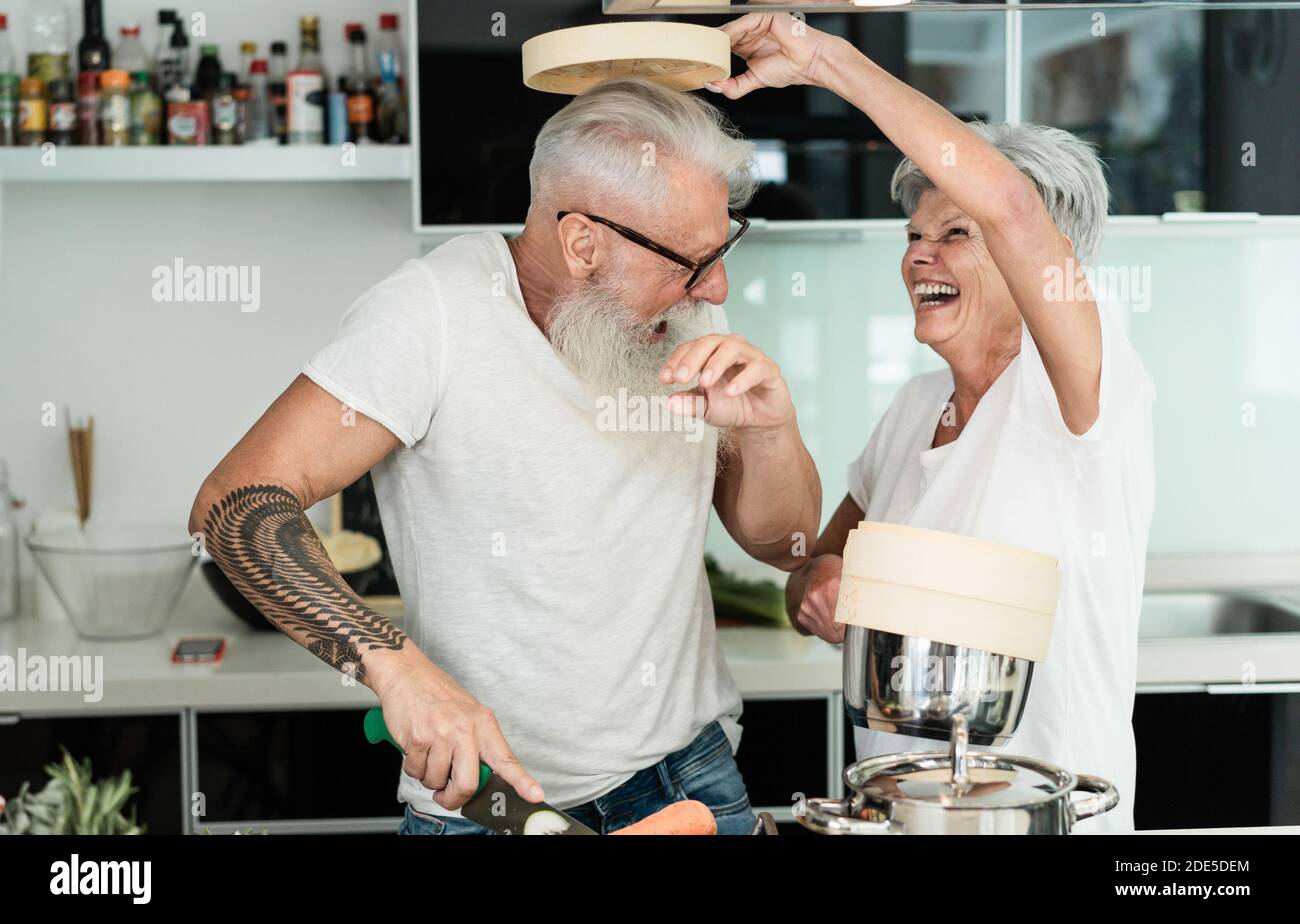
{"x": 816, "y": 614}
{"x": 781, "y": 51}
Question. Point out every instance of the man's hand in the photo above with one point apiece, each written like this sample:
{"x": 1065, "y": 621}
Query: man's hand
{"x": 816, "y": 614}
{"x": 444, "y": 730}
{"x": 740, "y": 387}
{"x": 781, "y": 51}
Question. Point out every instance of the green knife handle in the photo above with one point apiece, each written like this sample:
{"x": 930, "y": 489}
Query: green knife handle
{"x": 377, "y": 731}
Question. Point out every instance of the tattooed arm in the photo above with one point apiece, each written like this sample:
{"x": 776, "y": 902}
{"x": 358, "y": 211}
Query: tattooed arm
{"x": 251, "y": 515}
{"x": 261, "y": 538}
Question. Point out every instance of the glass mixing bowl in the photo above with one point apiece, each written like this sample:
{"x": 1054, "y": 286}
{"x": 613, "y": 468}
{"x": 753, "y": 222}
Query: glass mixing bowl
{"x": 118, "y": 582}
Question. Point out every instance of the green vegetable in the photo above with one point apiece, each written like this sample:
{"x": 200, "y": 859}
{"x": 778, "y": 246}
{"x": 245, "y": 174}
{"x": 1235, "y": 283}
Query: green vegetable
{"x": 758, "y": 602}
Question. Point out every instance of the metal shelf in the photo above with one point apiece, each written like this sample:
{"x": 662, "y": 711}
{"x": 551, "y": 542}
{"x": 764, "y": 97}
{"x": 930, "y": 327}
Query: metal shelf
{"x": 243, "y": 164}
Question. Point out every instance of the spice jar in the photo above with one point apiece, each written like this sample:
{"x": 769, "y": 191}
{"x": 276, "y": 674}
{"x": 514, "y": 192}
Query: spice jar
{"x": 114, "y": 108}
{"x": 63, "y": 112}
{"x": 32, "y": 111}
{"x": 225, "y": 112}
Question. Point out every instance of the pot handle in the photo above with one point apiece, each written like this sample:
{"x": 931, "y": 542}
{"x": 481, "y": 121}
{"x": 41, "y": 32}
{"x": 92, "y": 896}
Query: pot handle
{"x": 831, "y": 816}
{"x": 1105, "y": 797}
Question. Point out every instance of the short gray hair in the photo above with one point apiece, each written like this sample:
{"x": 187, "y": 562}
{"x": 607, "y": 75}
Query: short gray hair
{"x": 1065, "y": 169}
{"x": 595, "y": 147}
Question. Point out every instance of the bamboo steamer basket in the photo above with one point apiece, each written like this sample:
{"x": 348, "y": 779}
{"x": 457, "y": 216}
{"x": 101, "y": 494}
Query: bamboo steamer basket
{"x": 954, "y": 589}
{"x": 679, "y": 55}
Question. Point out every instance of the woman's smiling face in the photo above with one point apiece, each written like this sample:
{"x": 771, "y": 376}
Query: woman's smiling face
{"x": 956, "y": 290}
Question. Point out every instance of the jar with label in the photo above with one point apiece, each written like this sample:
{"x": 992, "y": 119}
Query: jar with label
{"x": 187, "y": 119}
{"x": 146, "y": 110}
{"x": 8, "y": 110}
{"x": 63, "y": 112}
{"x": 88, "y": 108}
{"x": 32, "y": 112}
{"x": 114, "y": 108}
{"x": 225, "y": 112}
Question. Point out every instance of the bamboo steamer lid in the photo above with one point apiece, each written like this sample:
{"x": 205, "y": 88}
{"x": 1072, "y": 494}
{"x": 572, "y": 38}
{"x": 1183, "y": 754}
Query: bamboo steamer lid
{"x": 953, "y": 589}
{"x": 679, "y": 55}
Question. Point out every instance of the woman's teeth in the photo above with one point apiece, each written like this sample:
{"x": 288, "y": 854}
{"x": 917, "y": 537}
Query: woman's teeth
{"x": 932, "y": 294}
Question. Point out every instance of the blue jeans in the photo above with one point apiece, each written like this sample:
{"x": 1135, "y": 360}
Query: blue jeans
{"x": 704, "y": 770}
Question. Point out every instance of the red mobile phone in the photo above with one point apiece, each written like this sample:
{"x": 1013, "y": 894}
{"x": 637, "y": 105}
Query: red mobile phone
{"x": 199, "y": 651}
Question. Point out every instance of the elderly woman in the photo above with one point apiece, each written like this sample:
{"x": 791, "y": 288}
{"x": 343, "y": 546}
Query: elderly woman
{"x": 1038, "y": 434}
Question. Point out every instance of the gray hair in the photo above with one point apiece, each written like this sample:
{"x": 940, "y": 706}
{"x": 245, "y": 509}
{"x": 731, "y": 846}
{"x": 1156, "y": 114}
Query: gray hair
{"x": 605, "y": 143}
{"x": 1066, "y": 171}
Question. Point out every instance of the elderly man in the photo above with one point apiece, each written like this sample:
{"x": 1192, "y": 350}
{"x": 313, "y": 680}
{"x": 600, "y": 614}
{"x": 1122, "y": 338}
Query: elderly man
{"x": 549, "y": 551}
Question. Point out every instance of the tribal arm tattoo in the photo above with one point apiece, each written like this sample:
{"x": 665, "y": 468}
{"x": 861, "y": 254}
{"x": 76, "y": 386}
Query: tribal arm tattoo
{"x": 261, "y": 538}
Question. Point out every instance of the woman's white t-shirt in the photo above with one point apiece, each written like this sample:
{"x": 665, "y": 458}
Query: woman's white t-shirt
{"x": 1017, "y": 475}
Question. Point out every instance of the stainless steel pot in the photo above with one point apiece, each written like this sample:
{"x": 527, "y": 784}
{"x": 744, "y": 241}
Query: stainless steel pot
{"x": 960, "y": 792}
{"x": 916, "y": 686}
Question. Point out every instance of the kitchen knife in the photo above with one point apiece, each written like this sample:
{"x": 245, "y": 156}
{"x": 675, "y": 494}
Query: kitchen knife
{"x": 495, "y": 805}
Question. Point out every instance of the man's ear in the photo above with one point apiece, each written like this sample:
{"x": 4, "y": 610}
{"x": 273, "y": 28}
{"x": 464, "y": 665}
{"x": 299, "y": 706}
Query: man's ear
{"x": 579, "y": 245}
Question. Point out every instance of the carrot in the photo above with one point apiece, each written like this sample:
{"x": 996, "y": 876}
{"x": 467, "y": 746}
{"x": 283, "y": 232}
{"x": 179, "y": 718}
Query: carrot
{"x": 689, "y": 817}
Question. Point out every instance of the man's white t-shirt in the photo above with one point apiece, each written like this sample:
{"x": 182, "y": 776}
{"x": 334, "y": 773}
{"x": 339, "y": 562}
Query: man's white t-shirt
{"x": 1017, "y": 475}
{"x": 554, "y": 570}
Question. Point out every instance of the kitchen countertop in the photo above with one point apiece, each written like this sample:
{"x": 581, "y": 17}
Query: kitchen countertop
{"x": 266, "y": 671}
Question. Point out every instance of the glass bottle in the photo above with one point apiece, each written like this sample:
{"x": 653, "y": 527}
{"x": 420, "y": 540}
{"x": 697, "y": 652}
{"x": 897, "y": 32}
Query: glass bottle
{"x": 174, "y": 68}
{"x": 88, "y": 108}
{"x": 8, "y": 60}
{"x": 390, "y": 103}
{"x": 360, "y": 90}
{"x": 247, "y": 51}
{"x": 93, "y": 53}
{"x": 207, "y": 76}
{"x": 130, "y": 54}
{"x": 146, "y": 110}
{"x": 8, "y": 548}
{"x": 277, "y": 90}
{"x": 166, "y": 25}
{"x": 47, "y": 41}
{"x": 306, "y": 88}
{"x": 8, "y": 110}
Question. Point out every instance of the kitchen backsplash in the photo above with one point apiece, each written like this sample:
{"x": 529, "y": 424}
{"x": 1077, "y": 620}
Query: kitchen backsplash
{"x": 173, "y": 385}
{"x": 1204, "y": 308}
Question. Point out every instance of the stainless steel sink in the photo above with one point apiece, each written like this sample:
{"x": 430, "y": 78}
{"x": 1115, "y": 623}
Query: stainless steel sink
{"x": 1210, "y": 615}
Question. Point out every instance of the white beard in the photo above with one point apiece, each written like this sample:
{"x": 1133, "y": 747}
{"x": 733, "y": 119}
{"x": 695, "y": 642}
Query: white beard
{"x": 610, "y": 349}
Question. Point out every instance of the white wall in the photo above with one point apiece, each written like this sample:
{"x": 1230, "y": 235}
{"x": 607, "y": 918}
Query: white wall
{"x": 171, "y": 386}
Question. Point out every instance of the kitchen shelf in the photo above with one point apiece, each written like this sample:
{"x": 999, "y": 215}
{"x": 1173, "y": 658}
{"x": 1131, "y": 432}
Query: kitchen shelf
{"x": 209, "y": 164}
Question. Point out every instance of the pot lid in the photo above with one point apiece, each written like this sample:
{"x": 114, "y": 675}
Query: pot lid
{"x": 959, "y": 779}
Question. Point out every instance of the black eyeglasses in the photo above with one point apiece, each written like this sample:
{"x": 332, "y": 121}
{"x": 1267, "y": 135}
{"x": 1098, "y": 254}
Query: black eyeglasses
{"x": 698, "y": 270}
